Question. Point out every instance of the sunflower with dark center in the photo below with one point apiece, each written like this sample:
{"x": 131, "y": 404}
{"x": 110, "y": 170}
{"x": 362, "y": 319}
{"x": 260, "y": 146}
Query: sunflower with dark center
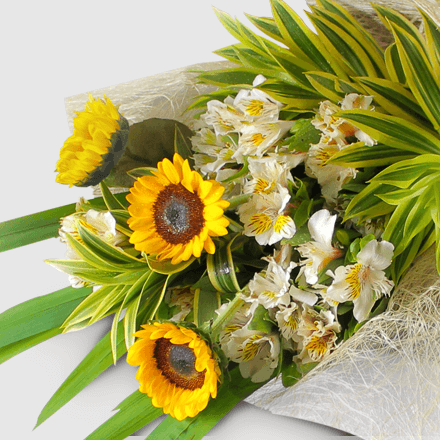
{"x": 176, "y": 368}
{"x": 174, "y": 213}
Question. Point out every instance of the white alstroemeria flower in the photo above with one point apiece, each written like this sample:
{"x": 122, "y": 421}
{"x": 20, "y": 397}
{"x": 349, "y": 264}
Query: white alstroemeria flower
{"x": 288, "y": 318}
{"x": 330, "y": 177}
{"x": 270, "y": 288}
{"x": 319, "y": 252}
{"x": 339, "y": 128}
{"x": 256, "y": 352}
{"x": 316, "y": 335}
{"x": 183, "y": 298}
{"x": 363, "y": 282}
{"x": 103, "y": 224}
{"x": 255, "y": 139}
{"x": 289, "y": 158}
{"x": 100, "y": 223}
{"x": 223, "y": 117}
{"x": 308, "y": 296}
{"x": 263, "y": 217}
{"x": 319, "y": 335}
{"x": 267, "y": 176}
{"x": 375, "y": 226}
{"x": 212, "y": 151}
{"x": 256, "y": 104}
{"x": 233, "y": 187}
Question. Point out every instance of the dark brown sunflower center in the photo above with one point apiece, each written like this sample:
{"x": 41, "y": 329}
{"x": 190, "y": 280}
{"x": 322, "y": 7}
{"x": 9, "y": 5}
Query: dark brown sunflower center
{"x": 177, "y": 364}
{"x": 178, "y": 214}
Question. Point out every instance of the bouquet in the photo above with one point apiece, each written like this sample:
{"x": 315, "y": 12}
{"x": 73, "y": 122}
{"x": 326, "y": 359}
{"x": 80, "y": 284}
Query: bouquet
{"x": 255, "y": 244}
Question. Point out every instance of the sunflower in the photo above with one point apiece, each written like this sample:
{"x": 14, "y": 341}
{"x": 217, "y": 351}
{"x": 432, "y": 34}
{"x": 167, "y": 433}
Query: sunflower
{"x": 176, "y": 368}
{"x": 98, "y": 141}
{"x": 174, "y": 213}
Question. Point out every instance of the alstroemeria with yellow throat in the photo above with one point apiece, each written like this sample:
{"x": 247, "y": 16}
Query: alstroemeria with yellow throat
{"x": 174, "y": 213}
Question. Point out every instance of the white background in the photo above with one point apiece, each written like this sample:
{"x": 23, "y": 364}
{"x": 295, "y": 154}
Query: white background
{"x": 52, "y": 50}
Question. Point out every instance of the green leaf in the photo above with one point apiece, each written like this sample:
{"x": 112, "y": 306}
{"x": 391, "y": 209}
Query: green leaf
{"x": 39, "y": 314}
{"x": 305, "y": 134}
{"x": 134, "y": 412}
{"x": 394, "y": 64}
{"x": 87, "y": 307}
{"x": 433, "y": 41}
{"x": 183, "y": 146}
{"x": 206, "y": 302}
{"x": 226, "y": 77}
{"x": 32, "y": 228}
{"x": 299, "y": 38}
{"x": 336, "y": 12}
{"x": 261, "y": 321}
{"x": 393, "y": 131}
{"x": 221, "y": 269}
{"x": 149, "y": 142}
{"x": 302, "y": 235}
{"x": 367, "y": 203}
{"x": 392, "y": 18}
{"x": 290, "y": 94}
{"x": 11, "y": 350}
{"x": 395, "y": 99}
{"x": 419, "y": 74}
{"x": 341, "y": 44}
{"x": 110, "y": 200}
{"x": 111, "y": 254}
{"x": 96, "y": 361}
{"x": 404, "y": 173}
{"x": 268, "y": 26}
{"x": 358, "y": 155}
{"x": 326, "y": 84}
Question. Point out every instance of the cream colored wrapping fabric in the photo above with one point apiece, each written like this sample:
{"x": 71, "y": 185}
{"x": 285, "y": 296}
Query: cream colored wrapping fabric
{"x": 166, "y": 95}
{"x": 384, "y": 382}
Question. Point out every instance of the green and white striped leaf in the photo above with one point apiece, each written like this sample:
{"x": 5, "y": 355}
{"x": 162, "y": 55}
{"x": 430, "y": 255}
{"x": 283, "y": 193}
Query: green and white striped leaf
{"x": 432, "y": 42}
{"x": 395, "y": 99}
{"x": 303, "y": 43}
{"x": 358, "y": 155}
{"x": 394, "y": 64}
{"x": 393, "y": 131}
{"x": 392, "y": 18}
{"x": 419, "y": 74}
{"x": 221, "y": 269}
{"x": 362, "y": 36}
{"x": 341, "y": 44}
{"x": 367, "y": 203}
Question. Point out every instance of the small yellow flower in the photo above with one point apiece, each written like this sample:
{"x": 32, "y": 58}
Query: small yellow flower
{"x": 98, "y": 141}
{"x": 175, "y": 213}
{"x": 176, "y": 369}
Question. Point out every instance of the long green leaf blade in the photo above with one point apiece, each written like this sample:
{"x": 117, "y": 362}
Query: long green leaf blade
{"x": 134, "y": 412}
{"x": 39, "y": 314}
{"x": 96, "y": 361}
{"x": 39, "y": 226}
{"x": 11, "y": 350}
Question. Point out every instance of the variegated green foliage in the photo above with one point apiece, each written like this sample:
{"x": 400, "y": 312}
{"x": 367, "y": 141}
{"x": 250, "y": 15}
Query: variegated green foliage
{"x": 304, "y": 68}
{"x": 123, "y": 279}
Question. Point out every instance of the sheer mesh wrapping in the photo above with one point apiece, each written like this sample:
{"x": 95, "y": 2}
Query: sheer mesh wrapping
{"x": 384, "y": 382}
